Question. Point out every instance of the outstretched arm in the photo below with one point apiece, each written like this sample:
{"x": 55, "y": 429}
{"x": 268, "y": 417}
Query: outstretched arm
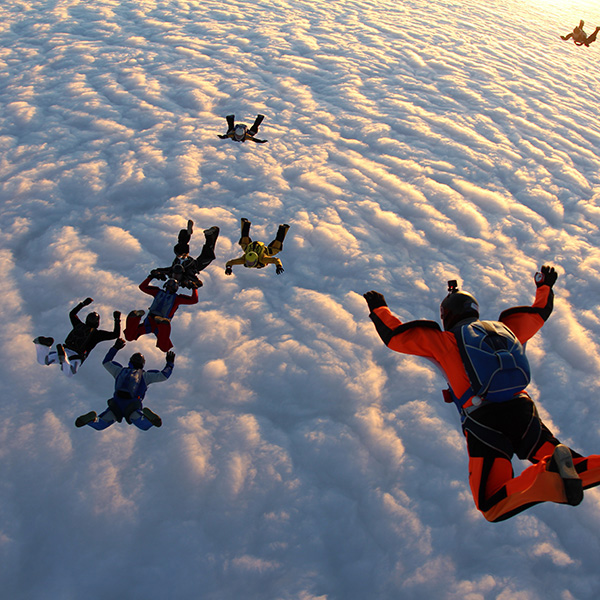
{"x": 73, "y": 314}
{"x": 154, "y": 376}
{"x": 526, "y": 321}
{"x": 113, "y": 367}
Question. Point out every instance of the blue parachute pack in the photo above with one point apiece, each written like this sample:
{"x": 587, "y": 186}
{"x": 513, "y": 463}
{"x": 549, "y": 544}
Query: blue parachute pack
{"x": 494, "y": 360}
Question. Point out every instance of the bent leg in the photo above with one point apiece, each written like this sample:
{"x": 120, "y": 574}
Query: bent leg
{"x": 133, "y": 328}
{"x": 104, "y": 420}
{"x": 208, "y": 250}
{"x": 592, "y": 37}
{"x": 254, "y": 129}
{"x": 44, "y": 356}
{"x": 499, "y": 495}
{"x": 163, "y": 339}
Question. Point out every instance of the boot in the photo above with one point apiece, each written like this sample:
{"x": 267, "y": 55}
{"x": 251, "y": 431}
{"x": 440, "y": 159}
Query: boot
{"x": 281, "y": 232}
{"x": 152, "y": 417}
{"x": 245, "y": 228}
{"x": 562, "y": 463}
{"x": 44, "y": 341}
{"x": 85, "y": 419}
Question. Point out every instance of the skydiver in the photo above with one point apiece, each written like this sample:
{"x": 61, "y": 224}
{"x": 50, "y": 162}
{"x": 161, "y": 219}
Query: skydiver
{"x": 240, "y": 132}
{"x": 131, "y": 383}
{"x": 495, "y": 430}
{"x": 185, "y": 268}
{"x": 256, "y": 254}
{"x": 82, "y": 339}
{"x": 579, "y": 36}
{"x": 165, "y": 304}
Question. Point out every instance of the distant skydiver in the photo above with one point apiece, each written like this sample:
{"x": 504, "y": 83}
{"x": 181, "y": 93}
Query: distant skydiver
{"x": 131, "y": 383}
{"x": 579, "y": 36}
{"x": 185, "y": 268}
{"x": 485, "y": 365}
{"x": 240, "y": 132}
{"x": 165, "y": 304}
{"x": 256, "y": 254}
{"x": 79, "y": 343}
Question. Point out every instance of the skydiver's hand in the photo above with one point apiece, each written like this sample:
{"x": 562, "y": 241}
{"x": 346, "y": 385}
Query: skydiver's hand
{"x": 546, "y": 276}
{"x": 87, "y": 301}
{"x": 119, "y": 344}
{"x": 374, "y": 300}
{"x": 228, "y": 270}
{"x": 117, "y": 315}
{"x": 170, "y": 357}
{"x": 278, "y": 270}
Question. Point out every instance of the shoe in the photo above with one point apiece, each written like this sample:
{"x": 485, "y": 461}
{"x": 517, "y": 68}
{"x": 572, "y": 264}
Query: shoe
{"x": 44, "y": 341}
{"x": 212, "y": 232}
{"x": 562, "y": 463}
{"x": 136, "y": 313}
{"x": 152, "y": 417}
{"x": 190, "y": 226}
{"x": 62, "y": 355}
{"x": 85, "y": 419}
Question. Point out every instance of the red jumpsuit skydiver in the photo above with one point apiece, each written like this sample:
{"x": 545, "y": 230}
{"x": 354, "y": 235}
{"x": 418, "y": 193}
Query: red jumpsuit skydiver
{"x": 497, "y": 493}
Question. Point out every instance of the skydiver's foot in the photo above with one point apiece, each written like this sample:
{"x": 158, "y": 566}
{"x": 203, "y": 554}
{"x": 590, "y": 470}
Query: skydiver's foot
{"x": 152, "y": 417}
{"x": 190, "y": 226}
{"x": 562, "y": 463}
{"x": 138, "y": 314}
{"x": 62, "y": 355}
{"x": 212, "y": 233}
{"x": 44, "y": 341}
{"x": 85, "y": 419}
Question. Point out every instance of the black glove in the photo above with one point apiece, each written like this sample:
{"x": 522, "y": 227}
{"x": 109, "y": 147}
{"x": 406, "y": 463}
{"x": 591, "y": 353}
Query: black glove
{"x": 374, "y": 300}
{"x": 117, "y": 315}
{"x": 87, "y": 301}
{"x": 546, "y": 276}
{"x": 170, "y": 357}
{"x": 228, "y": 270}
{"x": 119, "y": 344}
{"x": 278, "y": 270}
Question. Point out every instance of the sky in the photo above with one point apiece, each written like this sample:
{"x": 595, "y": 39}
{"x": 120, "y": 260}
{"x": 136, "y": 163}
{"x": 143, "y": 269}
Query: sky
{"x": 409, "y": 143}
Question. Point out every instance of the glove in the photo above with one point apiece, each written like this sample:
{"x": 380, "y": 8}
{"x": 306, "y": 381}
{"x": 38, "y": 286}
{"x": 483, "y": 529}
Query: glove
{"x": 228, "y": 270}
{"x": 170, "y": 357}
{"x": 119, "y": 344}
{"x": 279, "y": 270}
{"x": 546, "y": 276}
{"x": 117, "y": 315}
{"x": 374, "y": 300}
{"x": 87, "y": 301}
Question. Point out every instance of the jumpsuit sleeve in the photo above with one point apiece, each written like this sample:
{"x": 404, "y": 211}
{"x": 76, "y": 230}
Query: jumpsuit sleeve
{"x": 236, "y": 261}
{"x": 268, "y": 260}
{"x": 75, "y": 320}
{"x": 114, "y": 368}
{"x": 145, "y": 286}
{"x": 154, "y": 376}
{"x": 183, "y": 299}
{"x": 526, "y": 321}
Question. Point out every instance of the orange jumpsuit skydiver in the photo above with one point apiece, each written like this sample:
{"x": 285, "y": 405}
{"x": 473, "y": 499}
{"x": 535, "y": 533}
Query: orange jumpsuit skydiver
{"x": 497, "y": 493}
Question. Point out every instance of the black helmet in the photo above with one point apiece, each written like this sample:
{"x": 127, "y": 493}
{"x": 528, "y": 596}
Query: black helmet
{"x": 457, "y": 306}
{"x": 93, "y": 320}
{"x": 137, "y": 360}
{"x": 171, "y": 286}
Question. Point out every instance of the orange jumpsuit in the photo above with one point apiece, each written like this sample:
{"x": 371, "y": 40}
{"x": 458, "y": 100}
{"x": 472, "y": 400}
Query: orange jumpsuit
{"x": 515, "y": 423}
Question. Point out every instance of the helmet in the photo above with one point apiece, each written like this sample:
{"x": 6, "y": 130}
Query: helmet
{"x": 239, "y": 132}
{"x": 251, "y": 259}
{"x": 93, "y": 320}
{"x": 457, "y": 306}
{"x": 171, "y": 286}
{"x": 137, "y": 360}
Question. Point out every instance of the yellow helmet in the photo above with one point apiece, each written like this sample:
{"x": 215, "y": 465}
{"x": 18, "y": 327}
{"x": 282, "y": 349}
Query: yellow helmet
{"x": 251, "y": 259}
